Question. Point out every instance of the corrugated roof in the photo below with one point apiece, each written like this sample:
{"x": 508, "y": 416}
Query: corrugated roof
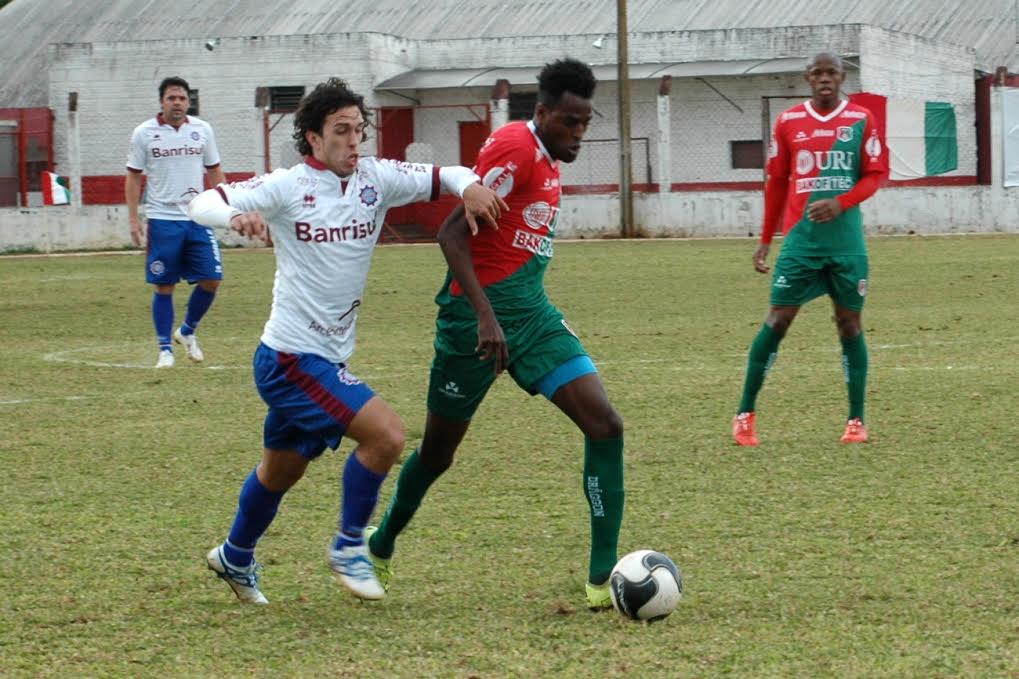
{"x": 27, "y": 26}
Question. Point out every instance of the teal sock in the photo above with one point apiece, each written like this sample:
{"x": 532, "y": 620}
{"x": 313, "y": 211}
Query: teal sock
{"x": 411, "y": 486}
{"x": 603, "y": 487}
{"x": 854, "y": 366}
{"x": 763, "y": 352}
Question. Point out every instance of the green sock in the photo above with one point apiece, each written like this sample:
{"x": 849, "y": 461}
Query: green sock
{"x": 411, "y": 487}
{"x": 854, "y": 366}
{"x": 763, "y": 353}
{"x": 603, "y": 487}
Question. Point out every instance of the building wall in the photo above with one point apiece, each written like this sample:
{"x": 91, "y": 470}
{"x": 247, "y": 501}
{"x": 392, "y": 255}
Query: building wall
{"x": 912, "y": 68}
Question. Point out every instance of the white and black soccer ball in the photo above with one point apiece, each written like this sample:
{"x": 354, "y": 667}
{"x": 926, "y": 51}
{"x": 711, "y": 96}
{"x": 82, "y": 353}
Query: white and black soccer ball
{"x": 645, "y": 585}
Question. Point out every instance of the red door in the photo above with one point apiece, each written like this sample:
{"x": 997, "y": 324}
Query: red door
{"x": 473, "y": 134}
{"x": 396, "y": 132}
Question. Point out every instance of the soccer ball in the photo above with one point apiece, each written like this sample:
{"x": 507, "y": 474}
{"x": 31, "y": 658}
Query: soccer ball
{"x": 645, "y": 585}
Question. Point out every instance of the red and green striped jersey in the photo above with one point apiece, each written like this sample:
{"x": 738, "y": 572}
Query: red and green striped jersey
{"x": 510, "y": 261}
{"x": 813, "y": 156}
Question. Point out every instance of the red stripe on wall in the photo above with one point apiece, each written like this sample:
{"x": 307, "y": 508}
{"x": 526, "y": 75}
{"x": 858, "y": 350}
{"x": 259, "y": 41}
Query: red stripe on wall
{"x": 109, "y": 189}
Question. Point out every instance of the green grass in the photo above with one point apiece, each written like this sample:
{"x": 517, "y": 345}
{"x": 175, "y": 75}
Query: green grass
{"x": 802, "y": 557}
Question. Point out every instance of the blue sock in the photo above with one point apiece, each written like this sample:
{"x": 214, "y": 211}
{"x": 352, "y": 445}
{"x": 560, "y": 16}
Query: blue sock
{"x": 198, "y": 304}
{"x": 162, "y": 318}
{"x": 360, "y": 495}
{"x": 256, "y": 509}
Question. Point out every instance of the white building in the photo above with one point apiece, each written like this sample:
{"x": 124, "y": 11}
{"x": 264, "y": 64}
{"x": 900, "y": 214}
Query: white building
{"x": 430, "y": 69}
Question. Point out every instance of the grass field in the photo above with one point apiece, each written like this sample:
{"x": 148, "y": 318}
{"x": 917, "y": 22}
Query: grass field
{"x": 802, "y": 558}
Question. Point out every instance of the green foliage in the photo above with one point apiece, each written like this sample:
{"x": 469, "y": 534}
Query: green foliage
{"x": 802, "y": 557}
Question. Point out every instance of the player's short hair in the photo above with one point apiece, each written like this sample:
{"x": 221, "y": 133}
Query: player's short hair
{"x": 173, "y": 81}
{"x": 562, "y": 76}
{"x": 315, "y": 107}
{"x": 831, "y": 56}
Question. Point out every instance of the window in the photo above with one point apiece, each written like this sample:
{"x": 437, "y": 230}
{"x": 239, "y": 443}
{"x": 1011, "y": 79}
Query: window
{"x": 521, "y": 105}
{"x": 193, "y": 106}
{"x": 285, "y": 98}
{"x": 747, "y": 154}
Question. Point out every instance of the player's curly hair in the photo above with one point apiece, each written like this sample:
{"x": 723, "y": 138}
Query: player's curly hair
{"x": 325, "y": 99}
{"x": 562, "y": 76}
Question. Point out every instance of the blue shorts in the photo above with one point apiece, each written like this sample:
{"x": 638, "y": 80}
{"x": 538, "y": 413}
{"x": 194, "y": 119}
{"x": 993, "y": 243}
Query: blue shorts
{"x": 311, "y": 400}
{"x": 181, "y": 249}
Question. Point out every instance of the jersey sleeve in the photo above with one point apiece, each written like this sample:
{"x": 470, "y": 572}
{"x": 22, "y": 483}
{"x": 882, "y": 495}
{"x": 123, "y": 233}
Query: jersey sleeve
{"x": 503, "y": 164}
{"x": 873, "y": 168}
{"x": 136, "y": 152}
{"x": 267, "y": 194}
{"x": 777, "y": 186}
{"x": 404, "y": 183}
{"x": 211, "y": 156}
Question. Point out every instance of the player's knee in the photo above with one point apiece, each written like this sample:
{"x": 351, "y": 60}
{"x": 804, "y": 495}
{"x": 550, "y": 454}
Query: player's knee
{"x": 389, "y": 443}
{"x": 209, "y": 286}
{"x": 436, "y": 461}
{"x": 608, "y": 426}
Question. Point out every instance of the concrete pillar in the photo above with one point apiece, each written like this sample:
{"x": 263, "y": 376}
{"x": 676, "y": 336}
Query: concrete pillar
{"x": 74, "y": 149}
{"x": 498, "y": 106}
{"x": 664, "y": 136}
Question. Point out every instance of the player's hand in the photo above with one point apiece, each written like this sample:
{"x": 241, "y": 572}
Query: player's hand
{"x": 823, "y": 211}
{"x": 760, "y": 255}
{"x": 481, "y": 202}
{"x": 492, "y": 341}
{"x": 137, "y": 233}
{"x": 250, "y": 224}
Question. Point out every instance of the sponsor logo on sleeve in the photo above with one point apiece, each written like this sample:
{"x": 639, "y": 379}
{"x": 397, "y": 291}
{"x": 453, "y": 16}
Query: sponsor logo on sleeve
{"x": 772, "y": 148}
{"x": 873, "y": 146}
{"x": 500, "y": 179}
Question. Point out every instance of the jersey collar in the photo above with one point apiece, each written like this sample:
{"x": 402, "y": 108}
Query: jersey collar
{"x": 544, "y": 151}
{"x": 813, "y": 112}
{"x": 162, "y": 121}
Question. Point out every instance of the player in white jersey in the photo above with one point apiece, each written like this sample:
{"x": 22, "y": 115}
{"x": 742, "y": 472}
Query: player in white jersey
{"x": 324, "y": 217}
{"x": 174, "y": 151}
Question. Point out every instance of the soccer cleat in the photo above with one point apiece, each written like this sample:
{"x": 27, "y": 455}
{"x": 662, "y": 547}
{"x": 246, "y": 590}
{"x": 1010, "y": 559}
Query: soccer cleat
{"x": 598, "y": 597}
{"x": 243, "y": 581}
{"x": 165, "y": 359}
{"x": 743, "y": 429}
{"x": 855, "y": 432}
{"x": 190, "y": 343}
{"x": 383, "y": 567}
{"x": 355, "y": 571}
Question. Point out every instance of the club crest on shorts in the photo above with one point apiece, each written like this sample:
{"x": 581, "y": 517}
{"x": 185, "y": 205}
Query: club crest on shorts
{"x": 861, "y": 287}
{"x": 346, "y": 377}
{"x": 157, "y": 267}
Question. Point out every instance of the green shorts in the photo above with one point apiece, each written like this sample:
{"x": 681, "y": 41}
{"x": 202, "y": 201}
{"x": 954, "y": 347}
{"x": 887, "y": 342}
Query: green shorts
{"x": 800, "y": 278}
{"x": 537, "y": 344}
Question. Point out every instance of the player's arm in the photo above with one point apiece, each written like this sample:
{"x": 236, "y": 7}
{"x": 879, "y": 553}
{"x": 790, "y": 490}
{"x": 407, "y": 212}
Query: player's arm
{"x": 132, "y": 196}
{"x": 454, "y": 239}
{"x": 136, "y": 156}
{"x": 480, "y": 202}
{"x": 776, "y": 190}
{"x": 873, "y": 172}
{"x": 215, "y": 175}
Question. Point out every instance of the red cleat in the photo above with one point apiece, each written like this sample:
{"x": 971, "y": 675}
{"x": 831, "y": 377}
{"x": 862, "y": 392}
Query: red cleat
{"x": 855, "y": 432}
{"x": 743, "y": 430}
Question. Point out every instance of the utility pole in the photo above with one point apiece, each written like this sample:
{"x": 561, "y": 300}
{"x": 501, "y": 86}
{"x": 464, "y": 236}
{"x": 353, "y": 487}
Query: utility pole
{"x": 623, "y": 79}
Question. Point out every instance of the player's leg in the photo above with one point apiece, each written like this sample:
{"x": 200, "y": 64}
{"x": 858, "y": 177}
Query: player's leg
{"x": 583, "y": 399}
{"x": 848, "y": 287}
{"x": 457, "y": 384}
{"x": 795, "y": 281}
{"x": 202, "y": 263}
{"x": 164, "y": 245}
{"x": 259, "y": 500}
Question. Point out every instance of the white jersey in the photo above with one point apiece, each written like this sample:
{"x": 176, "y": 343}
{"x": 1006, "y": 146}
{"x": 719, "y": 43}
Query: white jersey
{"x": 324, "y": 230}
{"x": 174, "y": 161}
